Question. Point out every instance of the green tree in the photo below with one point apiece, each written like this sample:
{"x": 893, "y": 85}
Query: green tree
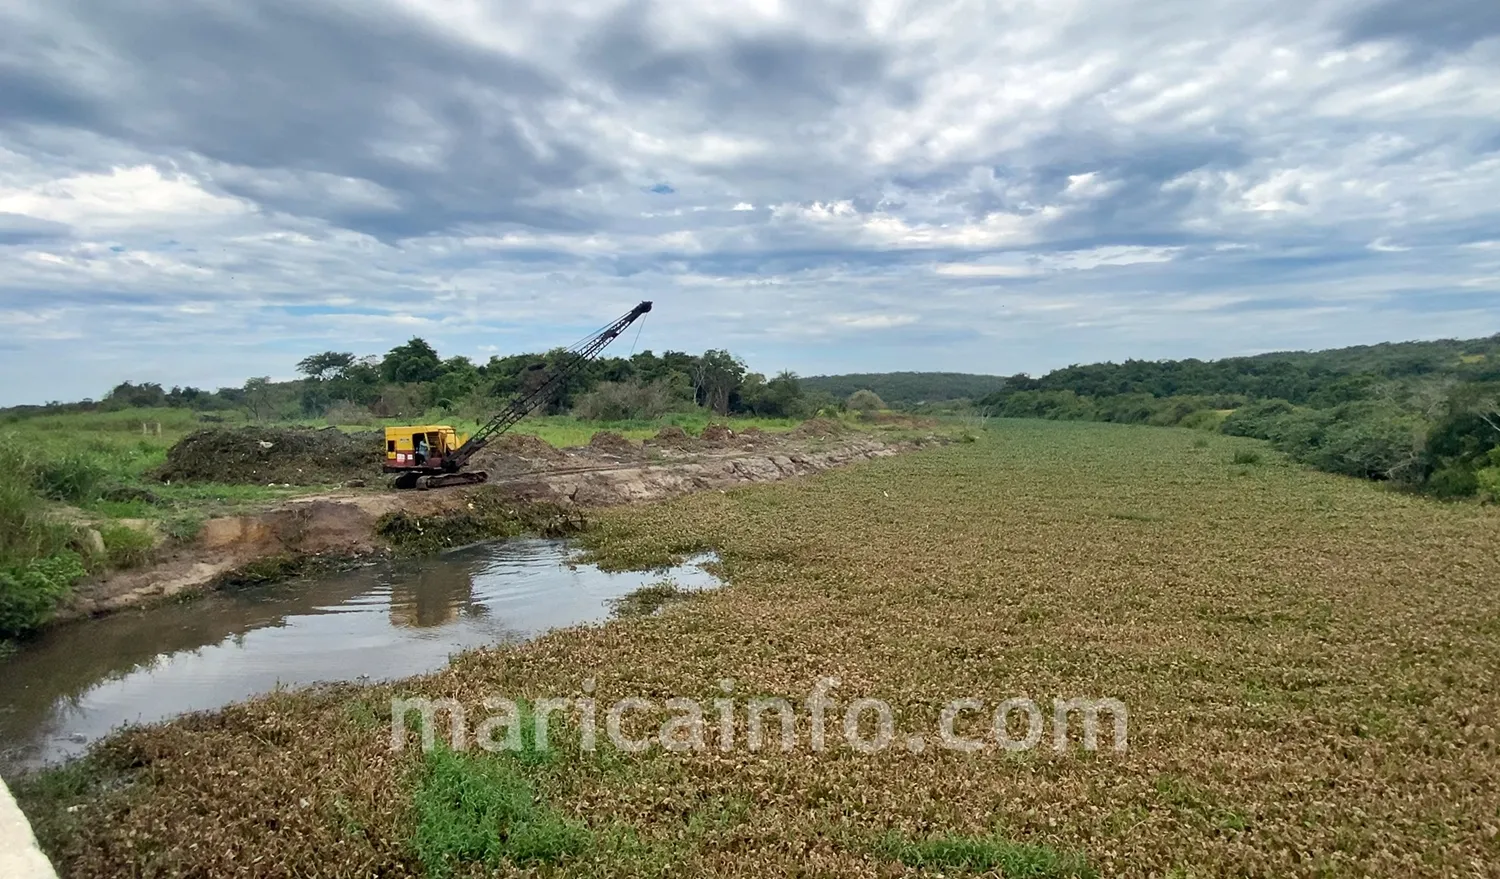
{"x": 257, "y": 397}
{"x": 716, "y": 377}
{"x": 329, "y": 364}
{"x": 459, "y": 379}
{"x": 416, "y": 361}
{"x": 781, "y": 397}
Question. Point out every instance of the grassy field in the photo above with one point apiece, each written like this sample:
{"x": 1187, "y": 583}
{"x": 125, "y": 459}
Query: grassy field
{"x": 1308, "y": 663}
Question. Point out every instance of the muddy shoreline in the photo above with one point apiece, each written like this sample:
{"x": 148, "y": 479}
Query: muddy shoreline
{"x": 339, "y": 527}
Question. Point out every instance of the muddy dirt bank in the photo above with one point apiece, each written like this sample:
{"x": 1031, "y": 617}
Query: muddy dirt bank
{"x": 336, "y": 527}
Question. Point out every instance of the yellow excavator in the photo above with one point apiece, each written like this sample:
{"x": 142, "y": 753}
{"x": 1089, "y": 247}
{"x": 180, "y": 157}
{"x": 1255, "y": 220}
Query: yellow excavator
{"x": 434, "y": 455}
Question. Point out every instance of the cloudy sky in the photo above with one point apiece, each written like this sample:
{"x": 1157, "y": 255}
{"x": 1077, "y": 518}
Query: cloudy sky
{"x": 193, "y": 193}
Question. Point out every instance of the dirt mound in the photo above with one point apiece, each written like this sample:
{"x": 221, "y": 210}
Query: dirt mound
{"x": 611, "y": 443}
{"x": 524, "y": 445}
{"x": 817, "y": 427}
{"x": 513, "y": 453}
{"x": 262, "y": 455}
{"x": 751, "y": 436}
{"x": 717, "y": 433}
{"x": 673, "y": 437}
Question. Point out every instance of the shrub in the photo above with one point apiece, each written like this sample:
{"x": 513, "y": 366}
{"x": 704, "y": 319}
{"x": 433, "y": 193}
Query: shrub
{"x": 183, "y": 527}
{"x": 1488, "y": 482}
{"x": 25, "y": 531}
{"x": 1258, "y": 420}
{"x": 864, "y": 401}
{"x": 624, "y": 401}
{"x": 72, "y": 476}
{"x": 1203, "y": 419}
{"x": 1246, "y": 456}
{"x": 29, "y": 592}
{"x": 1369, "y": 444}
{"x": 126, "y": 547}
{"x": 345, "y": 412}
{"x": 1453, "y": 482}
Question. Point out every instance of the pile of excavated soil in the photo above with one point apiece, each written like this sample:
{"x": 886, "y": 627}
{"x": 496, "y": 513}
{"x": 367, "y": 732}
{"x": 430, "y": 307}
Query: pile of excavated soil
{"x": 513, "y": 453}
{"x": 717, "y": 433}
{"x": 524, "y": 445}
{"x": 611, "y": 443}
{"x": 817, "y": 427}
{"x": 674, "y": 437}
{"x": 263, "y": 455}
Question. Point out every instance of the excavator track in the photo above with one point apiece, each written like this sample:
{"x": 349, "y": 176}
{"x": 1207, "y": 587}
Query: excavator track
{"x": 448, "y": 480}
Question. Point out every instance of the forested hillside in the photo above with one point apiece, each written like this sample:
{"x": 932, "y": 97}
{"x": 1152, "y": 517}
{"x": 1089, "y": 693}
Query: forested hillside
{"x": 1423, "y": 414}
{"x": 907, "y": 388}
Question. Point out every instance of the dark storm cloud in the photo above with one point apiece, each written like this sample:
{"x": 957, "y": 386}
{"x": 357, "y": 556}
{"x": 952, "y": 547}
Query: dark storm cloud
{"x": 1428, "y": 25}
{"x": 285, "y": 85}
{"x": 21, "y": 229}
{"x": 779, "y": 75}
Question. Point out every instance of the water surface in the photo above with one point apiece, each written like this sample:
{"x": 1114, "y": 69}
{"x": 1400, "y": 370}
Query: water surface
{"x": 76, "y": 683}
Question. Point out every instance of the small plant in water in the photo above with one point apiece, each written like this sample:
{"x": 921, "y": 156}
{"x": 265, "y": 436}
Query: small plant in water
{"x": 649, "y": 599}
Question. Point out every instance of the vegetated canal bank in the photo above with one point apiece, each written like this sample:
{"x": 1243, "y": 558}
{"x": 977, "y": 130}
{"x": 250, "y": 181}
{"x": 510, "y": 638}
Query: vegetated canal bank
{"x": 75, "y": 684}
{"x": 528, "y": 478}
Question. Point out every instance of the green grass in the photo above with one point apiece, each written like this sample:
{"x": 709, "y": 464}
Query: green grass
{"x": 649, "y": 599}
{"x": 126, "y": 546}
{"x": 483, "y": 808}
{"x": 984, "y": 854}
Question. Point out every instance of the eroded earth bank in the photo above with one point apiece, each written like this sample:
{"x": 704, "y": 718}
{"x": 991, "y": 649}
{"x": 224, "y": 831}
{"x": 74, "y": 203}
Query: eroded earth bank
{"x": 532, "y": 487}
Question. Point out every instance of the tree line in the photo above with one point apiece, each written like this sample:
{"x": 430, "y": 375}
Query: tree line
{"x": 413, "y": 378}
{"x": 1421, "y": 414}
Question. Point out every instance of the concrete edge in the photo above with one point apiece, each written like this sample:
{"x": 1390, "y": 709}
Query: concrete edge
{"x": 20, "y": 857}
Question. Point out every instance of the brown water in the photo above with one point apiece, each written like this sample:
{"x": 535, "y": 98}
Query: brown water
{"x": 76, "y": 683}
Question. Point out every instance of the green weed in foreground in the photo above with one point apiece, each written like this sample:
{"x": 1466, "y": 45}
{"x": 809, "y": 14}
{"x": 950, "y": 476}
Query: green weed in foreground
{"x": 37, "y": 562}
{"x": 985, "y": 854}
{"x": 126, "y": 547}
{"x": 482, "y": 808}
{"x": 649, "y": 599}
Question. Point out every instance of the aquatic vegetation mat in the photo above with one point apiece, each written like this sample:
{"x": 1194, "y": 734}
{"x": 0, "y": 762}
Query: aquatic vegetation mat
{"x": 1308, "y": 663}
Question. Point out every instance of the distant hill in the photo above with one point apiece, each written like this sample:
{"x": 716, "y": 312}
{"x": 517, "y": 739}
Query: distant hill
{"x": 1328, "y": 377}
{"x": 1423, "y": 415}
{"x": 907, "y": 388}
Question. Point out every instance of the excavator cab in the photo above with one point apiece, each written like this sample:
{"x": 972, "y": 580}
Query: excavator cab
{"x": 419, "y": 448}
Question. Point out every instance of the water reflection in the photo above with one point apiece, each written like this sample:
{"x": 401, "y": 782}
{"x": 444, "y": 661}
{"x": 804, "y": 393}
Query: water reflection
{"x": 78, "y": 682}
{"x": 435, "y": 597}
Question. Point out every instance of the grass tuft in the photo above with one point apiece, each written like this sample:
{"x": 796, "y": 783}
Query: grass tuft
{"x": 649, "y": 599}
{"x": 126, "y": 547}
{"x": 482, "y": 808}
{"x": 985, "y": 854}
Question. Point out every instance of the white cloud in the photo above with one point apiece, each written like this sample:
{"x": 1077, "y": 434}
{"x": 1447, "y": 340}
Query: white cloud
{"x": 123, "y": 198}
{"x": 1077, "y": 179}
